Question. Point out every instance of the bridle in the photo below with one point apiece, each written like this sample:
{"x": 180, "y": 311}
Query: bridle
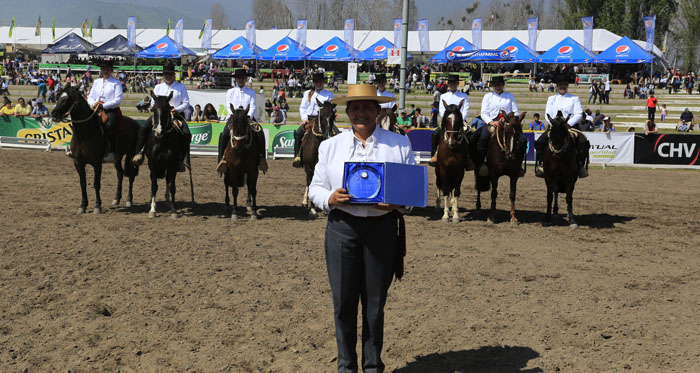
{"x": 78, "y": 121}
{"x": 323, "y": 134}
{"x": 553, "y": 149}
{"x": 234, "y": 141}
{"x": 502, "y": 144}
{"x": 461, "y": 136}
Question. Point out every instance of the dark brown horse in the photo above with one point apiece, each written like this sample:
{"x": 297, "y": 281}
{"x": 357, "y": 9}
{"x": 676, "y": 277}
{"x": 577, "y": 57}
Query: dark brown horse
{"x": 387, "y": 120}
{"x": 452, "y": 160}
{"x": 320, "y": 129}
{"x": 242, "y": 158}
{"x": 503, "y": 158}
{"x": 89, "y": 144}
{"x": 560, "y": 167}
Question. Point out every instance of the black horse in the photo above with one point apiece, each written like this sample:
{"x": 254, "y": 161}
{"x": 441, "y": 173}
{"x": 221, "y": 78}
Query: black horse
{"x": 560, "y": 165}
{"x": 89, "y": 144}
{"x": 242, "y": 158}
{"x": 165, "y": 150}
{"x": 320, "y": 130}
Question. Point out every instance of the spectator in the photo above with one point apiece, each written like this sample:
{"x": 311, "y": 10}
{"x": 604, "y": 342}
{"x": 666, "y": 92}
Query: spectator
{"x": 278, "y": 116}
{"x": 607, "y": 127}
{"x": 651, "y": 107}
{"x": 434, "y": 112}
{"x": 541, "y": 85}
{"x": 403, "y": 121}
{"x": 412, "y": 113}
{"x": 268, "y": 107}
{"x": 144, "y": 105}
{"x": 7, "y": 109}
{"x": 686, "y": 121}
{"x": 39, "y": 111}
{"x": 477, "y": 123}
{"x": 536, "y": 124}
{"x": 436, "y": 96}
{"x": 284, "y": 106}
{"x": 663, "y": 113}
{"x": 606, "y": 92}
{"x": 628, "y": 92}
{"x": 22, "y": 109}
{"x": 42, "y": 89}
{"x": 551, "y": 87}
{"x": 4, "y": 87}
{"x": 420, "y": 121}
{"x": 650, "y": 127}
{"x": 198, "y": 115}
{"x": 598, "y": 118}
{"x": 210, "y": 113}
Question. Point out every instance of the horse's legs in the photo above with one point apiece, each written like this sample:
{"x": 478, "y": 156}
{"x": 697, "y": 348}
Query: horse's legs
{"x": 556, "y": 203}
{"x": 455, "y": 207}
{"x": 305, "y": 200}
{"x": 478, "y": 199}
{"x": 446, "y": 195}
{"x": 227, "y": 202}
{"x": 154, "y": 190}
{"x": 252, "y": 195}
{"x": 548, "y": 216}
{"x": 234, "y": 191}
{"x": 98, "y": 185}
{"x": 83, "y": 187}
{"x": 120, "y": 177}
{"x": 513, "y": 189}
{"x": 170, "y": 177}
{"x": 130, "y": 196}
{"x": 570, "y": 207}
{"x": 494, "y": 195}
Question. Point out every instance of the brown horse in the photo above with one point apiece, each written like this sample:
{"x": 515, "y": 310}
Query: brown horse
{"x": 560, "y": 167}
{"x": 387, "y": 120}
{"x": 320, "y": 129}
{"x": 89, "y": 144}
{"x": 503, "y": 158}
{"x": 242, "y": 158}
{"x": 452, "y": 160}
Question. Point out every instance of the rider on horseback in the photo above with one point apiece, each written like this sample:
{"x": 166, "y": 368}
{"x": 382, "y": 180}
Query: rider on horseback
{"x": 241, "y": 96}
{"x": 106, "y": 95}
{"x": 309, "y": 111}
{"x": 380, "y": 79}
{"x": 492, "y": 107}
{"x": 451, "y": 97}
{"x": 569, "y": 105}
{"x": 178, "y": 103}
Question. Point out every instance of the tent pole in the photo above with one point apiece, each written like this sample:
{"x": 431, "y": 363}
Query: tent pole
{"x": 404, "y": 51}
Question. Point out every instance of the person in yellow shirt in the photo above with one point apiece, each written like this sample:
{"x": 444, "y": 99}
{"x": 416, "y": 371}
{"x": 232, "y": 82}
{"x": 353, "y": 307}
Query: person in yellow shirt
{"x": 22, "y": 109}
{"x": 7, "y": 109}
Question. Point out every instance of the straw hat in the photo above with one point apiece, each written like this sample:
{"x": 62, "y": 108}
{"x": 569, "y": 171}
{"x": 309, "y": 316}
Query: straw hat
{"x": 358, "y": 92}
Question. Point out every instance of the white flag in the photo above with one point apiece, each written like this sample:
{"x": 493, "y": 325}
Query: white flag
{"x": 349, "y": 37}
{"x": 301, "y": 33}
{"x": 397, "y": 33}
{"x": 178, "y": 32}
{"x": 423, "y": 35}
{"x": 250, "y": 32}
{"x": 476, "y": 33}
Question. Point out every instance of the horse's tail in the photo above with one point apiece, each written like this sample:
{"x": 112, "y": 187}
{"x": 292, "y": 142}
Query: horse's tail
{"x": 130, "y": 170}
{"x": 481, "y": 183}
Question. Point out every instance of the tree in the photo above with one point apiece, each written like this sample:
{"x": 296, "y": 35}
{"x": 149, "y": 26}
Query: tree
{"x": 272, "y": 13}
{"x": 219, "y": 20}
{"x": 685, "y": 32}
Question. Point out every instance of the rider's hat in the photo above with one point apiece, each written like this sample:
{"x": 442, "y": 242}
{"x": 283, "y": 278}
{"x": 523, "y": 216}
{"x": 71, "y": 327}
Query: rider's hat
{"x": 561, "y": 78}
{"x": 453, "y": 78}
{"x": 379, "y": 77}
{"x": 106, "y": 63}
{"x": 168, "y": 67}
{"x": 497, "y": 80}
{"x": 357, "y": 92}
{"x": 317, "y": 76}
{"x": 239, "y": 72}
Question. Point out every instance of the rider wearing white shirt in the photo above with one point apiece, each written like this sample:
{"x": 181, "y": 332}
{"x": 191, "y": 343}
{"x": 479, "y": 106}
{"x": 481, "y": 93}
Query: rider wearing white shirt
{"x": 451, "y": 97}
{"x": 309, "y": 111}
{"x": 107, "y": 93}
{"x": 569, "y": 105}
{"x": 380, "y": 80}
{"x": 241, "y": 96}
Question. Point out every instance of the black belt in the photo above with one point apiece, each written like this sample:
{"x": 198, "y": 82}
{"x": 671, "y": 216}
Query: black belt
{"x": 310, "y": 117}
{"x": 112, "y": 110}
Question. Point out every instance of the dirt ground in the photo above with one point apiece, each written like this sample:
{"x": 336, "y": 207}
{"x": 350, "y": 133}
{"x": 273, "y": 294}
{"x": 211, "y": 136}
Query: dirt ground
{"x": 121, "y": 292}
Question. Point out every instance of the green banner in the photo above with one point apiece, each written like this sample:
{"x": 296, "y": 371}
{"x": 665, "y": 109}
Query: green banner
{"x": 207, "y": 133}
{"x": 58, "y": 133}
{"x": 62, "y": 66}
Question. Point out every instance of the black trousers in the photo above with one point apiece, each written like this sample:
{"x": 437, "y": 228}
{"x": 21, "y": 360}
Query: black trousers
{"x": 360, "y": 258}
{"x": 225, "y": 138}
{"x": 111, "y": 127}
{"x": 652, "y": 113}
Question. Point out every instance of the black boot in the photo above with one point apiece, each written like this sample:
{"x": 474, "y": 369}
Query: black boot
{"x": 298, "y": 136}
{"x": 539, "y": 170}
{"x": 224, "y": 139}
{"x": 434, "y": 142}
{"x": 141, "y": 140}
{"x": 263, "y": 151}
{"x": 482, "y": 149}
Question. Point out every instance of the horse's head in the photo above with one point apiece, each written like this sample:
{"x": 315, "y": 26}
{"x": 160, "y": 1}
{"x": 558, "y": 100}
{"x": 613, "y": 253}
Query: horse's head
{"x": 67, "y": 98}
{"x": 162, "y": 117}
{"x": 559, "y": 128}
{"x": 453, "y": 124}
{"x": 239, "y": 125}
{"x": 387, "y": 117}
{"x": 510, "y": 127}
{"x": 326, "y": 116}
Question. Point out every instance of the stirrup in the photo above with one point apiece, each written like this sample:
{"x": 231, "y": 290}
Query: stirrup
{"x": 222, "y": 167}
{"x": 433, "y": 161}
{"x": 483, "y": 170}
{"x": 263, "y": 165}
{"x": 297, "y": 162}
{"x": 539, "y": 170}
{"x": 137, "y": 159}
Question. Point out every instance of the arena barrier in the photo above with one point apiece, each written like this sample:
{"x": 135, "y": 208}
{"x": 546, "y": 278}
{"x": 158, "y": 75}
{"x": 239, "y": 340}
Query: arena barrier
{"x": 25, "y": 143}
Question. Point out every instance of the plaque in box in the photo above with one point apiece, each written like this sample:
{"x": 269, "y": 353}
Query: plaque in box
{"x": 386, "y": 182}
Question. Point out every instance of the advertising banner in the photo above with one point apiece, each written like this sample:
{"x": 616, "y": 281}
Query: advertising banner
{"x": 532, "y": 24}
{"x": 587, "y": 32}
{"x": 476, "y": 33}
{"x": 650, "y": 28}
{"x": 59, "y": 134}
{"x": 667, "y": 149}
{"x": 423, "y": 36}
{"x": 613, "y": 148}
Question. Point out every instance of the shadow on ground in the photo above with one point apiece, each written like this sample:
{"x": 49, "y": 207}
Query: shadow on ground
{"x": 486, "y": 359}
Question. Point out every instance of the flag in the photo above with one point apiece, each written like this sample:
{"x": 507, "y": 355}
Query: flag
{"x": 423, "y": 35}
{"x": 349, "y": 36}
{"x": 532, "y": 33}
{"x": 12, "y": 25}
{"x": 397, "y": 32}
{"x": 83, "y": 28}
{"x": 90, "y": 32}
{"x": 37, "y": 32}
{"x": 53, "y": 28}
{"x": 131, "y": 31}
{"x": 250, "y": 32}
{"x": 178, "y": 32}
{"x": 587, "y": 32}
{"x": 650, "y": 26}
{"x": 206, "y": 38}
{"x": 201, "y": 32}
{"x": 167, "y": 31}
{"x": 301, "y": 33}
{"x": 476, "y": 33}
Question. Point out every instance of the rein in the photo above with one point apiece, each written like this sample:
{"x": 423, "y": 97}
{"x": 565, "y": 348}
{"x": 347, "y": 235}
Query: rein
{"x": 235, "y": 139}
{"x": 562, "y": 148}
{"x": 461, "y": 136}
{"x": 78, "y": 121}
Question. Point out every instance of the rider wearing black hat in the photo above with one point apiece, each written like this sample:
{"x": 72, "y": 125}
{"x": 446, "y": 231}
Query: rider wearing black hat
{"x": 106, "y": 94}
{"x": 451, "y": 97}
{"x": 309, "y": 111}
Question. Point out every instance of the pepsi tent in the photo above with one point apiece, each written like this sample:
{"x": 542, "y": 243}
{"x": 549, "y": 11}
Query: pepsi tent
{"x": 117, "y": 46}
{"x": 624, "y": 51}
{"x": 378, "y": 51}
{"x": 566, "y": 51}
{"x": 238, "y": 49}
{"x": 481, "y": 55}
{"x": 333, "y": 50}
{"x": 286, "y": 49}
{"x": 460, "y": 45}
{"x": 70, "y": 44}
{"x": 164, "y": 48}
{"x": 520, "y": 52}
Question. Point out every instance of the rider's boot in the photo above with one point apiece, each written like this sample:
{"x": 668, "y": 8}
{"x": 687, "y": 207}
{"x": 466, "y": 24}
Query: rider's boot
{"x": 297, "y": 148}
{"x": 434, "y": 141}
{"x": 140, "y": 140}
{"x": 539, "y": 170}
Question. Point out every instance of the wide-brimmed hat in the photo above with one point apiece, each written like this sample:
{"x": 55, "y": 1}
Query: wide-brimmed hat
{"x": 561, "y": 78}
{"x": 497, "y": 80}
{"x": 379, "y": 77}
{"x": 168, "y": 67}
{"x": 105, "y": 63}
{"x": 239, "y": 72}
{"x": 453, "y": 78}
{"x": 358, "y": 92}
{"x": 317, "y": 76}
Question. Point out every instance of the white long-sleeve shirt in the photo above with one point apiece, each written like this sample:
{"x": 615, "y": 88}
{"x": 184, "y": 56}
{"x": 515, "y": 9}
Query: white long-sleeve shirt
{"x": 493, "y": 103}
{"x": 180, "y": 100}
{"x": 453, "y": 98}
{"x": 381, "y": 146}
{"x": 310, "y": 107}
{"x": 567, "y": 104}
{"x": 109, "y": 92}
{"x": 387, "y": 105}
{"x": 241, "y": 97}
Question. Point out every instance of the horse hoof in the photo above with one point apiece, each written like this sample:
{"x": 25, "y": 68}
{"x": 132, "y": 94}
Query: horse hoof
{"x": 253, "y": 217}
{"x": 174, "y": 215}
{"x": 312, "y": 215}
{"x": 514, "y": 223}
{"x": 234, "y": 217}
{"x": 455, "y": 220}
{"x": 573, "y": 226}
{"x": 249, "y": 209}
{"x": 115, "y": 202}
{"x": 151, "y": 214}
{"x": 128, "y": 204}
{"x": 81, "y": 210}
{"x": 97, "y": 210}
{"x": 545, "y": 224}
{"x": 491, "y": 220}
{"x": 446, "y": 220}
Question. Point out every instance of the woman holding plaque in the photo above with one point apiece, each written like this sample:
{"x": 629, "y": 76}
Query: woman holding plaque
{"x": 363, "y": 249}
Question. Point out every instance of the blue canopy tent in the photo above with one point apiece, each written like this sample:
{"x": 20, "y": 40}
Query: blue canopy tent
{"x": 70, "y": 44}
{"x": 117, "y": 46}
{"x": 238, "y": 49}
{"x": 481, "y": 55}
{"x": 566, "y": 51}
{"x": 624, "y": 51}
{"x": 333, "y": 50}
{"x": 286, "y": 49}
{"x": 520, "y": 52}
{"x": 164, "y": 48}
{"x": 460, "y": 45}
{"x": 378, "y": 51}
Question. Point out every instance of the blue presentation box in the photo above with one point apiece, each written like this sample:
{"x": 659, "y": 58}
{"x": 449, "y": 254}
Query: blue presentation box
{"x": 386, "y": 182}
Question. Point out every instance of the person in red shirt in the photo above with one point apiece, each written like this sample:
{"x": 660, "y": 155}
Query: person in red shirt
{"x": 651, "y": 107}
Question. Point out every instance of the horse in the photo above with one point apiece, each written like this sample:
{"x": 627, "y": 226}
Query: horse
{"x": 320, "y": 130}
{"x": 502, "y": 159}
{"x": 560, "y": 167}
{"x": 452, "y": 160}
{"x": 387, "y": 120}
{"x": 164, "y": 151}
{"x": 89, "y": 144}
{"x": 242, "y": 158}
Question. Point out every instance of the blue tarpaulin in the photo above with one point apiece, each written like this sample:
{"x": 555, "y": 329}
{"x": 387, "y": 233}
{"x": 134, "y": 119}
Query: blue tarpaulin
{"x": 482, "y": 55}
{"x": 566, "y": 51}
{"x": 117, "y": 46}
{"x": 624, "y": 51}
{"x": 286, "y": 49}
{"x": 164, "y": 48}
{"x": 460, "y": 45}
{"x": 238, "y": 49}
{"x": 70, "y": 44}
{"x": 378, "y": 51}
{"x": 334, "y": 50}
{"x": 520, "y": 52}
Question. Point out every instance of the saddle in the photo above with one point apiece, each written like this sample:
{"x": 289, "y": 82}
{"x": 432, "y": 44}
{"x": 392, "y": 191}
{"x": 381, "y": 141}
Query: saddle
{"x": 102, "y": 115}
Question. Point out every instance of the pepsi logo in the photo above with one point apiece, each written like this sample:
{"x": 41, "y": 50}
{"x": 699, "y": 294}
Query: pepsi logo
{"x": 348, "y": 25}
{"x": 331, "y": 48}
{"x": 475, "y": 25}
{"x": 397, "y": 25}
{"x": 450, "y": 54}
{"x": 586, "y": 24}
{"x": 458, "y": 49}
{"x": 531, "y": 25}
{"x": 622, "y": 49}
{"x": 236, "y": 47}
{"x": 250, "y": 25}
{"x": 422, "y": 26}
{"x": 131, "y": 23}
{"x": 565, "y": 50}
{"x": 505, "y": 54}
{"x": 379, "y": 49}
{"x": 162, "y": 46}
{"x": 512, "y": 49}
{"x": 649, "y": 23}
{"x": 301, "y": 25}
{"x": 282, "y": 48}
